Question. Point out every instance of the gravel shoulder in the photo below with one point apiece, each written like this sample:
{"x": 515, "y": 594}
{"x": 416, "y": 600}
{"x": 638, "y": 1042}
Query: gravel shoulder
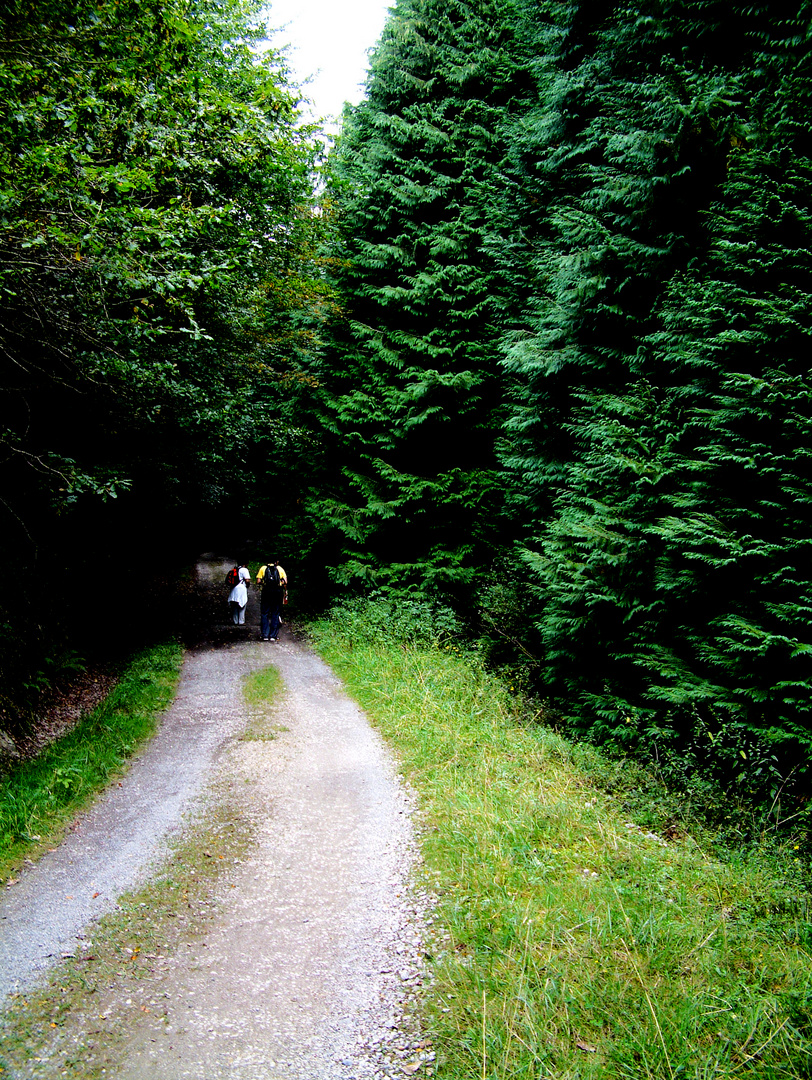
{"x": 309, "y": 958}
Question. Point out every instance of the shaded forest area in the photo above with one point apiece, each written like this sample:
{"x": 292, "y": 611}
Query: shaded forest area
{"x": 157, "y": 228}
{"x": 530, "y": 343}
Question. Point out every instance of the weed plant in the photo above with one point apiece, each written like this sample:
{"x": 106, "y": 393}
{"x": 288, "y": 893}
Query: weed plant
{"x": 573, "y": 941}
{"x": 38, "y": 797}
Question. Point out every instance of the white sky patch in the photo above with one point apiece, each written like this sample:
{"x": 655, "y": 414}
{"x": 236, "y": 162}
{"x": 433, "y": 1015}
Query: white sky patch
{"x": 329, "y": 45}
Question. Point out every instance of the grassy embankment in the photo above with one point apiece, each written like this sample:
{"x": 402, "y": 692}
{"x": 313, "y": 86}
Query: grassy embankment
{"x": 579, "y": 944}
{"x": 39, "y": 798}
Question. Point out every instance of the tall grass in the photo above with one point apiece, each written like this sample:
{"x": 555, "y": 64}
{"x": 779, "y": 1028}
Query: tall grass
{"x": 38, "y": 797}
{"x": 574, "y": 942}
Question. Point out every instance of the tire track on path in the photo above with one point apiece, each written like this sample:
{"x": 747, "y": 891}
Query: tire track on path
{"x": 301, "y": 970}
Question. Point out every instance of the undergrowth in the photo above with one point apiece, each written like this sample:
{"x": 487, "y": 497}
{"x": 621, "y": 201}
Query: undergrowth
{"x": 39, "y": 797}
{"x": 580, "y": 940}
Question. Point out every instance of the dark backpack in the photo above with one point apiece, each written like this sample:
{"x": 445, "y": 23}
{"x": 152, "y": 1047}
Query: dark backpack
{"x": 271, "y": 577}
{"x": 233, "y": 577}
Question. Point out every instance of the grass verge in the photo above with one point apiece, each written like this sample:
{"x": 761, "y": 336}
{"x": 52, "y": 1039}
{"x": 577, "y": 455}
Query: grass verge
{"x": 575, "y": 942}
{"x": 39, "y": 798}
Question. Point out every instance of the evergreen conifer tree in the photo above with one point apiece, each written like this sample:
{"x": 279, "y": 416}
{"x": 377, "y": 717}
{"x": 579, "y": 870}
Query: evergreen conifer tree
{"x": 410, "y": 382}
{"x": 653, "y": 143}
{"x": 734, "y": 534}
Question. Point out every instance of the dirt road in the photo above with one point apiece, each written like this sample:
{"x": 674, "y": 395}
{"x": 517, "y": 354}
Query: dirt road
{"x": 310, "y": 947}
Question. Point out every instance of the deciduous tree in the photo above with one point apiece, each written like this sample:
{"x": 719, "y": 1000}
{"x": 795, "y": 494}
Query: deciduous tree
{"x": 155, "y": 205}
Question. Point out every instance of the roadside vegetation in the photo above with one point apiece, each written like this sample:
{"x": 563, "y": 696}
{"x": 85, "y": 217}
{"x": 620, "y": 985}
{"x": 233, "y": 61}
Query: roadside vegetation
{"x": 38, "y": 798}
{"x": 583, "y": 930}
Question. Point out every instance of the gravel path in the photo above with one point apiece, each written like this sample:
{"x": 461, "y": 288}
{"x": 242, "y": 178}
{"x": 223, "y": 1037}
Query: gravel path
{"x": 307, "y": 967}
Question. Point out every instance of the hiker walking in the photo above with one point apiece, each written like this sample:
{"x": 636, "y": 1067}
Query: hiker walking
{"x": 238, "y": 578}
{"x": 274, "y": 582}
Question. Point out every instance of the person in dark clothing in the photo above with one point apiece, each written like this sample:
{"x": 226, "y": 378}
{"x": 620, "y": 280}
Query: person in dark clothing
{"x": 273, "y": 581}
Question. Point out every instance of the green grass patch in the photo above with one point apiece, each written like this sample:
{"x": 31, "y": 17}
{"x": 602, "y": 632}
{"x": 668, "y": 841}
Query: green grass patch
{"x": 39, "y": 797}
{"x": 572, "y": 942}
{"x": 261, "y": 689}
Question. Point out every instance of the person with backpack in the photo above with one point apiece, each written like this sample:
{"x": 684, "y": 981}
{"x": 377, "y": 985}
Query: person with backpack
{"x": 238, "y": 578}
{"x": 274, "y": 582}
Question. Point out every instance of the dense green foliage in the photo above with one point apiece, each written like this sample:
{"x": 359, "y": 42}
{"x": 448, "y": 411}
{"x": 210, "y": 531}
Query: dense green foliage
{"x": 630, "y": 218}
{"x": 662, "y": 379}
{"x": 410, "y": 387}
{"x": 156, "y": 245}
{"x": 541, "y": 354}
